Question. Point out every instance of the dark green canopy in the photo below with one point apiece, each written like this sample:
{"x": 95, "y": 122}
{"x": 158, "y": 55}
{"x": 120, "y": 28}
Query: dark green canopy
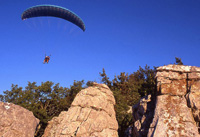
{"x": 53, "y": 11}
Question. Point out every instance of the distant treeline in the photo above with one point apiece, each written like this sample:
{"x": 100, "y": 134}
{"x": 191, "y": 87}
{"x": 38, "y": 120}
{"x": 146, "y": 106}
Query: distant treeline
{"x": 48, "y": 99}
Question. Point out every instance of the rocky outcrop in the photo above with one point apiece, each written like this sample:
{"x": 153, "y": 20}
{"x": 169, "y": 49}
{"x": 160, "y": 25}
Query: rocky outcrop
{"x": 91, "y": 114}
{"x": 142, "y": 116}
{"x": 177, "y": 104}
{"x": 15, "y": 121}
{"x": 173, "y": 116}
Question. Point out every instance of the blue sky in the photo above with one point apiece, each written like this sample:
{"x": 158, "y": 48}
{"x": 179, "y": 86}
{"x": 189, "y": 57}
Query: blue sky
{"x": 120, "y": 36}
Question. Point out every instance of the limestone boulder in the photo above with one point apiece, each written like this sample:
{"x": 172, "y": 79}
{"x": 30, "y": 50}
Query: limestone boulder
{"x": 171, "y": 75}
{"x": 177, "y": 68}
{"x": 172, "y": 118}
{"x": 16, "y": 121}
{"x": 142, "y": 117}
{"x": 177, "y": 105}
{"x": 193, "y": 100}
{"x": 176, "y": 87}
{"x": 91, "y": 114}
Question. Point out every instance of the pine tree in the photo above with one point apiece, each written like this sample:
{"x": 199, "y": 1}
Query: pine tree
{"x": 178, "y": 61}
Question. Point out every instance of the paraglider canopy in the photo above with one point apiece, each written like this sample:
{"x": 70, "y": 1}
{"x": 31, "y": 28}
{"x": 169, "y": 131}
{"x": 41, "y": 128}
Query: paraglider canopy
{"x": 53, "y": 11}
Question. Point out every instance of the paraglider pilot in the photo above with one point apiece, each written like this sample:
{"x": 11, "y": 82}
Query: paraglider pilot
{"x": 46, "y": 59}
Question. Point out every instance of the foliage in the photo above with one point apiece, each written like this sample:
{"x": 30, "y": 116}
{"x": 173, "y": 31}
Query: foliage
{"x": 127, "y": 90}
{"x": 2, "y": 98}
{"x": 178, "y": 61}
{"x": 45, "y": 101}
{"x": 48, "y": 99}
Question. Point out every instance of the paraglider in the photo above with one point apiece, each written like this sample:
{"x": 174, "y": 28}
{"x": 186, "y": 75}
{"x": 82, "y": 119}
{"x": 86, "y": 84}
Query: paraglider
{"x": 53, "y": 11}
{"x": 46, "y": 59}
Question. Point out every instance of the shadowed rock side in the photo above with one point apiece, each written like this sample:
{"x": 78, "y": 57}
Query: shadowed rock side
{"x": 177, "y": 105}
{"x": 142, "y": 117}
{"x": 91, "y": 114}
{"x": 16, "y": 121}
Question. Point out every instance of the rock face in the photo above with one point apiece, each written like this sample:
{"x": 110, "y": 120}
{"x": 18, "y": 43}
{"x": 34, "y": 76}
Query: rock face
{"x": 91, "y": 114}
{"x": 177, "y": 106}
{"x": 176, "y": 85}
{"x": 15, "y": 121}
{"x": 142, "y": 116}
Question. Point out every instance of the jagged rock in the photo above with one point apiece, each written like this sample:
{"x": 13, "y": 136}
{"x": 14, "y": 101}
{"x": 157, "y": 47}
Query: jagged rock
{"x": 91, "y": 114}
{"x": 173, "y": 118}
{"x": 177, "y": 93}
{"x": 15, "y": 121}
{"x": 177, "y": 106}
{"x": 142, "y": 116}
{"x": 193, "y": 100}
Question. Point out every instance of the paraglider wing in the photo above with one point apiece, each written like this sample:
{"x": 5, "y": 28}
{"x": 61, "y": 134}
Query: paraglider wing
{"x": 53, "y": 11}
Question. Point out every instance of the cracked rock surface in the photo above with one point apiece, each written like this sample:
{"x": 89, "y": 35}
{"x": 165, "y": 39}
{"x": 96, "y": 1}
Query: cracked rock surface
{"x": 16, "y": 121}
{"x": 142, "y": 116}
{"x": 177, "y": 105}
{"x": 91, "y": 114}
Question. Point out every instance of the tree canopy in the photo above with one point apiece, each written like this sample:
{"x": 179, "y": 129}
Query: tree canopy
{"x": 127, "y": 90}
